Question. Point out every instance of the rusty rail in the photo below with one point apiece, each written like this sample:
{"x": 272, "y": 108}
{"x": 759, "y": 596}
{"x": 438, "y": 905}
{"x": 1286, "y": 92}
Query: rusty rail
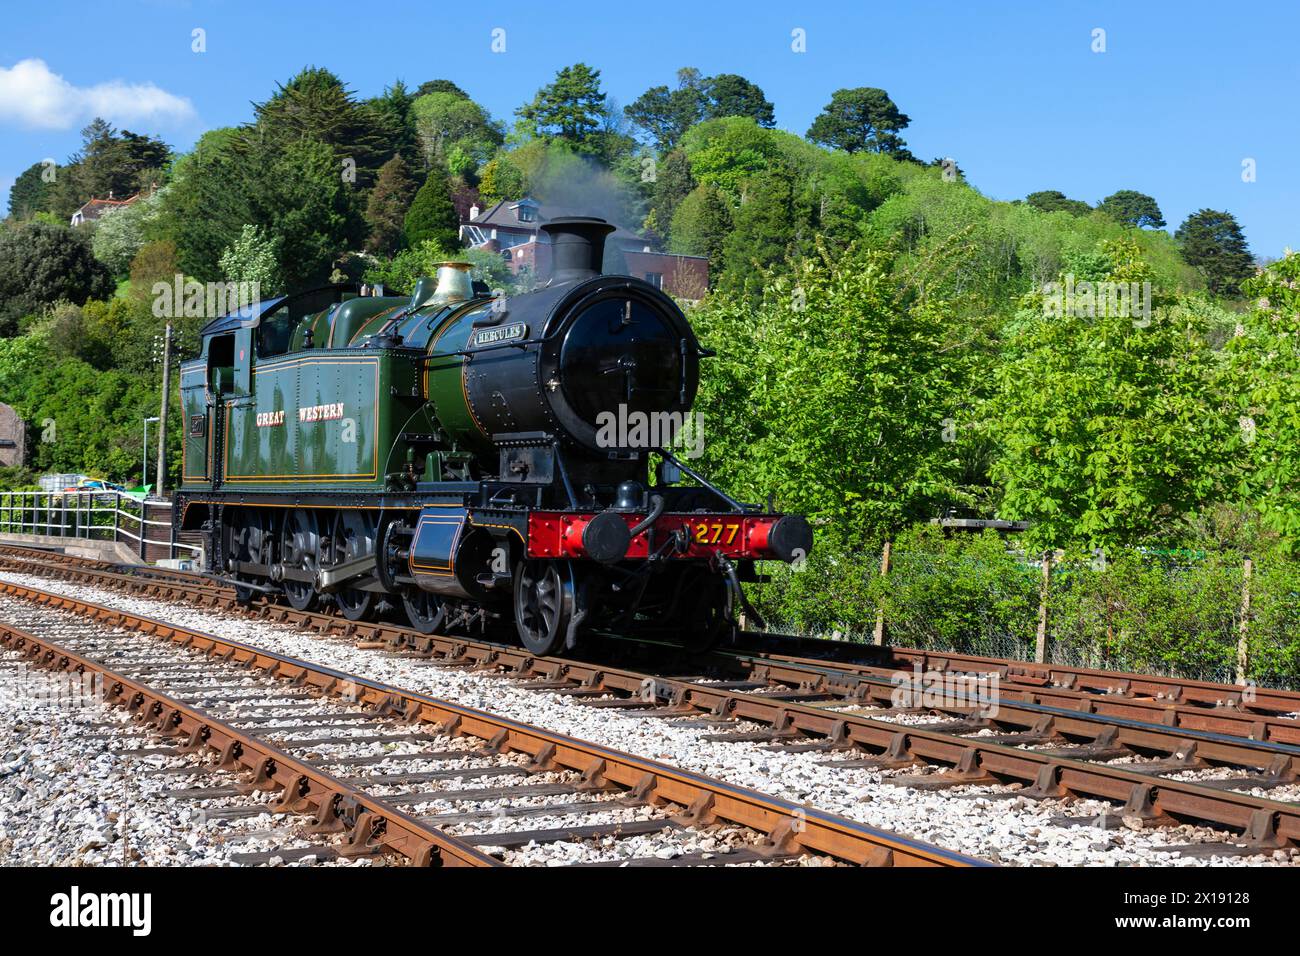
{"x": 1266, "y": 822}
{"x": 787, "y": 825}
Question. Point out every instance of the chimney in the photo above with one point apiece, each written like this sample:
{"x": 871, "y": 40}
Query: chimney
{"x": 577, "y": 247}
{"x": 473, "y": 212}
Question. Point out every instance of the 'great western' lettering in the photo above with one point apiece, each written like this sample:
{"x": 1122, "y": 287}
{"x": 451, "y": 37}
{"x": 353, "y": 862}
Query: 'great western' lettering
{"x": 321, "y": 413}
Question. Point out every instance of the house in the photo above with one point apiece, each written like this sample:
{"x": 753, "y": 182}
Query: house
{"x": 514, "y": 230}
{"x": 95, "y": 208}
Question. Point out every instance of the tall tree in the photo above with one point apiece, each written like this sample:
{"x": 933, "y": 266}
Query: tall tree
{"x": 110, "y": 164}
{"x": 393, "y": 110}
{"x": 764, "y": 229}
{"x": 1053, "y": 200}
{"x": 1109, "y": 426}
{"x": 668, "y": 113}
{"x": 440, "y": 86}
{"x": 731, "y": 95}
{"x": 1265, "y": 367}
{"x": 860, "y": 119}
{"x": 1212, "y": 242}
{"x": 673, "y": 183}
{"x": 570, "y": 109}
{"x": 315, "y": 105}
{"x": 386, "y": 208}
{"x": 448, "y": 124}
{"x": 501, "y": 179}
{"x": 32, "y": 191}
{"x": 700, "y": 225}
{"x": 1133, "y": 209}
{"x": 432, "y": 215}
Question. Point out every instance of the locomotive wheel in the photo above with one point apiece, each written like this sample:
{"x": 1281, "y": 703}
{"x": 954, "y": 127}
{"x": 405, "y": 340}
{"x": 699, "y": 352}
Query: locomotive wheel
{"x": 708, "y": 620}
{"x": 300, "y": 549}
{"x": 353, "y": 538}
{"x": 237, "y": 535}
{"x": 543, "y": 605}
{"x": 425, "y": 611}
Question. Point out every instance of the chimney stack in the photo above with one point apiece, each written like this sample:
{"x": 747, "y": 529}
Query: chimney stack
{"x": 577, "y": 247}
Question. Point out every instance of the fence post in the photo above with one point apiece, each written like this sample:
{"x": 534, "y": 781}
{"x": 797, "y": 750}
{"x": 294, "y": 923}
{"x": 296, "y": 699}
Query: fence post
{"x": 878, "y": 638}
{"x": 1040, "y": 641}
{"x": 1243, "y": 625}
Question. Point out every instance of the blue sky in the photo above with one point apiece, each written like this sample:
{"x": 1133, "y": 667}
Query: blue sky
{"x": 1184, "y": 92}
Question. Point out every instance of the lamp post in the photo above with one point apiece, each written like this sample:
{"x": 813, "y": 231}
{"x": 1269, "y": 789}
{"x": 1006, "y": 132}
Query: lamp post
{"x": 144, "y": 470}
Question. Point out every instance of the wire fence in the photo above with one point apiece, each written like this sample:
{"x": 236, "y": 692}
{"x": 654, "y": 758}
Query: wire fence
{"x": 1199, "y": 615}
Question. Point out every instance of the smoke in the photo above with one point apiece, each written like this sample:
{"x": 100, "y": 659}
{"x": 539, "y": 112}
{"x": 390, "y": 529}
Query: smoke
{"x": 571, "y": 185}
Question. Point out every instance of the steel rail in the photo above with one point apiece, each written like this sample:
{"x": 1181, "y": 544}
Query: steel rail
{"x": 1174, "y": 689}
{"x": 1047, "y": 678}
{"x": 303, "y": 788}
{"x": 788, "y": 826}
{"x": 855, "y": 682}
{"x": 975, "y": 759}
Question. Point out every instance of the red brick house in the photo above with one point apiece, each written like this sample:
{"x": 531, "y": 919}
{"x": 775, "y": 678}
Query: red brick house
{"x": 513, "y": 229}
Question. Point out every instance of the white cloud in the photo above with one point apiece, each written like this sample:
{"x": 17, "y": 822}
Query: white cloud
{"x": 32, "y": 95}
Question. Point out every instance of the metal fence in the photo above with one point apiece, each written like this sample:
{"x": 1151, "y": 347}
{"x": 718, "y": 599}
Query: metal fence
{"x": 1218, "y": 616}
{"x": 104, "y": 516}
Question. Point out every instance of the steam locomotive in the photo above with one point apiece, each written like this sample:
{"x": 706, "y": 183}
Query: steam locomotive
{"x": 448, "y": 454}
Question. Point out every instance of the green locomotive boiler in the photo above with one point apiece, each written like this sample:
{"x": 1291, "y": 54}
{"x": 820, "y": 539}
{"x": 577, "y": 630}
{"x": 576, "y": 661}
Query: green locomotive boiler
{"x": 448, "y": 454}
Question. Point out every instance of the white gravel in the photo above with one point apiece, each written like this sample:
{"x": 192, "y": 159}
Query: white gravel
{"x": 989, "y": 822}
{"x": 116, "y": 811}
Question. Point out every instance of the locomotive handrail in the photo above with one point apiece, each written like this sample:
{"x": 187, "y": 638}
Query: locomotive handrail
{"x": 732, "y": 502}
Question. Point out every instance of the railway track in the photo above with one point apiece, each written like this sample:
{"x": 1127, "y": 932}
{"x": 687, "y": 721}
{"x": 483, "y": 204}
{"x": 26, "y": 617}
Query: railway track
{"x": 1055, "y": 742}
{"x": 432, "y": 766}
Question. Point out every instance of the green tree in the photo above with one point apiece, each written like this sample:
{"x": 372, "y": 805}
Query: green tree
{"x": 1265, "y": 375}
{"x": 393, "y": 112}
{"x": 673, "y": 183}
{"x": 109, "y": 164}
{"x": 440, "y": 86}
{"x": 667, "y": 113}
{"x": 42, "y": 264}
{"x": 32, "y": 191}
{"x": 570, "y": 109}
{"x": 301, "y": 201}
{"x": 315, "y": 106}
{"x": 501, "y": 180}
{"x": 1053, "y": 200}
{"x": 701, "y": 224}
{"x": 1133, "y": 209}
{"x": 728, "y": 94}
{"x": 1212, "y": 243}
{"x": 432, "y": 216}
{"x": 764, "y": 228}
{"x": 446, "y": 123}
{"x": 1109, "y": 427}
{"x": 387, "y": 205}
{"x": 831, "y": 394}
{"x": 862, "y": 118}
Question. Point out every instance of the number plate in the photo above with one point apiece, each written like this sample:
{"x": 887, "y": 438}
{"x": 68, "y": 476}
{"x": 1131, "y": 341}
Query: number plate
{"x": 724, "y": 533}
